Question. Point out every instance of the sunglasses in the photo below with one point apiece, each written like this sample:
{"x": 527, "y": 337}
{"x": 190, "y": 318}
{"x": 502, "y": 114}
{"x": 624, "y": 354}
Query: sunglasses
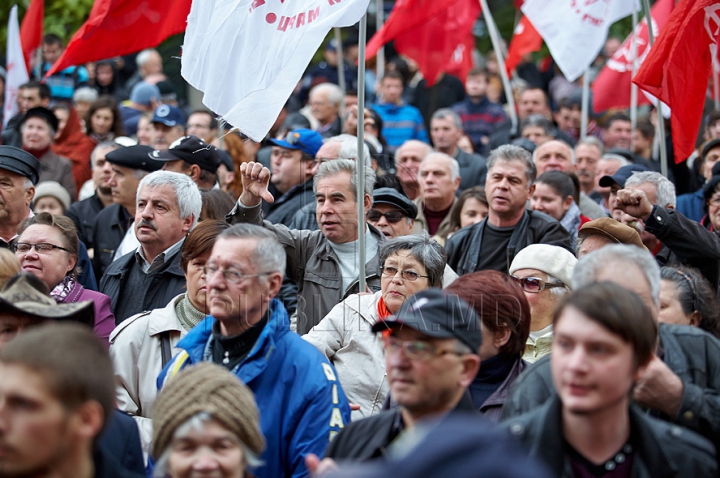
{"x": 391, "y": 216}
{"x": 535, "y": 284}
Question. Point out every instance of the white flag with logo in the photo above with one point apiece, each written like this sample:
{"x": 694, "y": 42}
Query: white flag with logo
{"x": 16, "y": 70}
{"x": 247, "y": 56}
{"x": 575, "y": 30}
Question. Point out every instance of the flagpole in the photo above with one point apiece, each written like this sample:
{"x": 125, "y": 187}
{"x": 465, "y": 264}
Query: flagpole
{"x": 585, "y": 107}
{"x": 716, "y": 87}
{"x": 495, "y": 38}
{"x": 379, "y": 21}
{"x": 362, "y": 39}
{"x": 660, "y": 118}
{"x": 633, "y": 86}
{"x": 340, "y": 68}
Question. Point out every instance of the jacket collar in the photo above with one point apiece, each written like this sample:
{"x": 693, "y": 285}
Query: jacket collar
{"x": 165, "y": 319}
{"x": 325, "y": 250}
{"x": 499, "y": 396}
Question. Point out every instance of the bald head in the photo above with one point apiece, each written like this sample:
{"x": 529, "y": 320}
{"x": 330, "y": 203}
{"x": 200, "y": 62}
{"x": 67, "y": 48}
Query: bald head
{"x": 554, "y": 155}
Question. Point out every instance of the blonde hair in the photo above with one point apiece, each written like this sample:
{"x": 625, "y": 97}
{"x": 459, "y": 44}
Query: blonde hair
{"x": 9, "y": 266}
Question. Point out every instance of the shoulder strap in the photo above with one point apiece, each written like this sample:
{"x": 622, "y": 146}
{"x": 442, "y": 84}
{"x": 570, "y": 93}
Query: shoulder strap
{"x": 165, "y": 347}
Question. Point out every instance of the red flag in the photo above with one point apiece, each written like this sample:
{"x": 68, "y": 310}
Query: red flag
{"x": 434, "y": 33}
{"x": 678, "y": 67}
{"x": 611, "y": 88}
{"x": 525, "y": 40}
{"x": 120, "y": 27}
{"x": 31, "y": 29}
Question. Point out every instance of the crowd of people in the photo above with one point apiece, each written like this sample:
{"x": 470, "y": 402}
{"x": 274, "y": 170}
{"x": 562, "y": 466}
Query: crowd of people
{"x": 178, "y": 300}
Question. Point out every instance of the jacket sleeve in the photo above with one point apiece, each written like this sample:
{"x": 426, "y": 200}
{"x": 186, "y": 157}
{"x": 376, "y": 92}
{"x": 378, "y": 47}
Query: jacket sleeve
{"x": 329, "y": 335}
{"x": 243, "y": 214}
{"x": 554, "y": 234}
{"x": 531, "y": 389}
{"x": 104, "y": 318}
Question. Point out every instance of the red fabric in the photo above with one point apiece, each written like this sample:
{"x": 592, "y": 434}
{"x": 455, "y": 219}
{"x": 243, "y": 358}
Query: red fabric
{"x": 583, "y": 220}
{"x": 434, "y": 33}
{"x": 611, "y": 88}
{"x": 678, "y": 67}
{"x": 121, "y": 27}
{"x": 31, "y": 30}
{"x": 77, "y": 147}
{"x": 525, "y": 40}
{"x": 383, "y": 311}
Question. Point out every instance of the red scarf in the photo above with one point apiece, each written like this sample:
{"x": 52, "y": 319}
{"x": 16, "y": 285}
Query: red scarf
{"x": 383, "y": 312}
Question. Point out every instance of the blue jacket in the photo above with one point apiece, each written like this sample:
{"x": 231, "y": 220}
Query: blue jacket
{"x": 302, "y": 405}
{"x": 401, "y": 123}
{"x": 692, "y": 205}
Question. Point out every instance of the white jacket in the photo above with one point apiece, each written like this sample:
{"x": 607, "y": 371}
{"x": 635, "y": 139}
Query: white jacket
{"x": 137, "y": 360}
{"x": 344, "y": 336}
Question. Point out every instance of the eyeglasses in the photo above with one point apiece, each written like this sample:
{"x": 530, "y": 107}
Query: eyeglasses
{"x": 535, "y": 284}
{"x": 391, "y": 216}
{"x": 230, "y": 275}
{"x": 407, "y": 274}
{"x": 40, "y": 247}
{"x": 415, "y": 349}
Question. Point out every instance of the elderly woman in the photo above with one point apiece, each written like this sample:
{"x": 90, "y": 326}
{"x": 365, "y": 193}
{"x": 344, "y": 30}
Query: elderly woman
{"x": 149, "y": 338}
{"x": 47, "y": 246}
{"x": 505, "y": 322}
{"x": 206, "y": 424}
{"x": 408, "y": 264}
{"x": 686, "y": 298}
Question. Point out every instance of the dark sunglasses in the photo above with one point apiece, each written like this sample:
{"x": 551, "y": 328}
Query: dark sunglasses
{"x": 535, "y": 284}
{"x": 391, "y": 216}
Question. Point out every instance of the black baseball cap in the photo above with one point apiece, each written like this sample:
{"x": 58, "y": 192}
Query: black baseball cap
{"x": 134, "y": 157}
{"x": 20, "y": 162}
{"x": 434, "y": 313}
{"x": 395, "y": 198}
{"x": 622, "y": 175}
{"x": 192, "y": 150}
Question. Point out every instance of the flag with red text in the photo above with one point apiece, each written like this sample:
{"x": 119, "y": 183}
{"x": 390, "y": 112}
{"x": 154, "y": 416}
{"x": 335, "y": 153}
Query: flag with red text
{"x": 575, "y": 30}
{"x": 31, "y": 29}
{"x": 247, "y": 57}
{"x": 525, "y": 40}
{"x": 437, "y": 34}
{"x": 121, "y": 27}
{"x": 15, "y": 65}
{"x": 611, "y": 88}
{"x": 679, "y": 65}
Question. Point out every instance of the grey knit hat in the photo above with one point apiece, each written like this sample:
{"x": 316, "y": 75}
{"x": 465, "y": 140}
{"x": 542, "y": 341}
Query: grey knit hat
{"x": 211, "y": 389}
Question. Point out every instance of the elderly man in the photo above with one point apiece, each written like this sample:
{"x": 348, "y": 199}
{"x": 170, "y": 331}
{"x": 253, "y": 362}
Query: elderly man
{"x": 392, "y": 213}
{"x": 588, "y": 152}
{"x": 407, "y": 163}
{"x": 38, "y": 129}
{"x": 536, "y": 128}
{"x": 682, "y": 380}
{"x": 608, "y": 165}
{"x": 83, "y": 213}
{"x": 325, "y": 100}
{"x": 169, "y": 125}
{"x": 401, "y": 121}
{"x": 19, "y": 172}
{"x": 603, "y": 232}
{"x": 509, "y": 226}
{"x": 446, "y": 131}
{"x": 544, "y": 272}
{"x": 113, "y": 225}
{"x": 30, "y": 95}
{"x": 192, "y": 157}
{"x": 439, "y": 177}
{"x": 302, "y": 405}
{"x": 323, "y": 263}
{"x": 167, "y": 208}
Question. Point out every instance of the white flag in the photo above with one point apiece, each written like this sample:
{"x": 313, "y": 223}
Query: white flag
{"x": 575, "y": 30}
{"x": 16, "y": 70}
{"x": 247, "y": 56}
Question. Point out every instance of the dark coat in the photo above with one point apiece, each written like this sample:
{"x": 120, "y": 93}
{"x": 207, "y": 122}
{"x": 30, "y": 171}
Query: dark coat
{"x": 692, "y": 354}
{"x": 463, "y": 248}
{"x": 121, "y": 440}
{"x": 109, "y": 230}
{"x": 167, "y": 283}
{"x": 492, "y": 406}
{"x": 473, "y": 169}
{"x": 662, "y": 450}
{"x": 285, "y": 206}
{"x": 108, "y": 466}
{"x": 83, "y": 214}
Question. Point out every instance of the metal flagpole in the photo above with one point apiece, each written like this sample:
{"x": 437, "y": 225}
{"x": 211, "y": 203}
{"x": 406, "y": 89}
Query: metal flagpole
{"x": 361, "y": 156}
{"x": 340, "y": 68}
{"x": 495, "y": 38}
{"x": 633, "y": 86}
{"x": 716, "y": 78}
{"x": 585, "y": 107}
{"x": 660, "y": 117}
{"x": 379, "y": 22}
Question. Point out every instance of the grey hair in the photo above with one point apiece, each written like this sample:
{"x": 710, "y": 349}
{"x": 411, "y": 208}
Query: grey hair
{"x": 85, "y": 93}
{"x": 331, "y": 168}
{"x": 27, "y": 184}
{"x": 445, "y": 113}
{"x": 144, "y": 56}
{"x": 348, "y": 147}
{"x": 196, "y": 422}
{"x": 269, "y": 255}
{"x": 510, "y": 152}
{"x": 423, "y": 249}
{"x": 570, "y": 148}
{"x": 187, "y": 194}
{"x": 539, "y": 121}
{"x": 139, "y": 173}
{"x": 112, "y": 145}
{"x": 454, "y": 166}
{"x": 592, "y": 141}
{"x": 665, "y": 189}
{"x": 618, "y": 255}
{"x": 333, "y": 92}
{"x": 615, "y": 157}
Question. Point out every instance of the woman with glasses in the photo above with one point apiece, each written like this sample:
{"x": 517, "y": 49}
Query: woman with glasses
{"x": 408, "y": 264}
{"x": 47, "y": 247}
{"x": 149, "y": 338}
{"x": 711, "y": 193}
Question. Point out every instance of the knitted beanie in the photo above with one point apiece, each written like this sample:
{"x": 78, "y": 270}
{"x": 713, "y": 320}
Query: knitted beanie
{"x": 208, "y": 388}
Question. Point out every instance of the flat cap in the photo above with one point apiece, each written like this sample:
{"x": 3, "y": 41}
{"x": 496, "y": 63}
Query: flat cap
{"x": 192, "y": 150}
{"x": 611, "y": 229}
{"x": 393, "y": 197}
{"x": 134, "y": 157}
{"x": 19, "y": 162}
{"x": 43, "y": 113}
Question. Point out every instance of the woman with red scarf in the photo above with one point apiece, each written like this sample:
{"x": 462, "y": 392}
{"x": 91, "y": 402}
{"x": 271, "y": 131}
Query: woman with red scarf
{"x": 72, "y": 143}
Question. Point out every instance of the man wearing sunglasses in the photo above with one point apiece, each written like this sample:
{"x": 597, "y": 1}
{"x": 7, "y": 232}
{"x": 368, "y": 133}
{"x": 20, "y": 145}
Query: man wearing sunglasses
{"x": 544, "y": 272}
{"x": 392, "y": 213}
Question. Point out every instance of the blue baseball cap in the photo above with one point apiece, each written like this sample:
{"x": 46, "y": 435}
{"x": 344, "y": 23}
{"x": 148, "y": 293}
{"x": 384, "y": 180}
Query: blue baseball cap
{"x": 169, "y": 116}
{"x": 306, "y": 140}
{"x": 622, "y": 175}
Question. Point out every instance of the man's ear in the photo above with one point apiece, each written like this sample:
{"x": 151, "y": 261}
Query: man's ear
{"x": 29, "y": 195}
{"x": 88, "y": 420}
{"x": 274, "y": 282}
{"x": 471, "y": 365}
{"x": 368, "y": 203}
{"x": 194, "y": 172}
{"x": 531, "y": 191}
{"x": 187, "y": 223}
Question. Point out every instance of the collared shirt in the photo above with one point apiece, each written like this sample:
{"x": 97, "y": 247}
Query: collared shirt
{"x": 159, "y": 260}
